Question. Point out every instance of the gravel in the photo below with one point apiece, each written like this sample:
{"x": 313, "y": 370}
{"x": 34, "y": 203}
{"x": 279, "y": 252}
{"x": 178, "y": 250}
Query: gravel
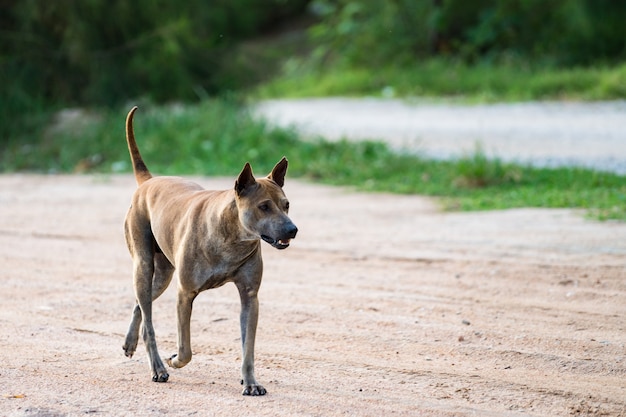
{"x": 591, "y": 134}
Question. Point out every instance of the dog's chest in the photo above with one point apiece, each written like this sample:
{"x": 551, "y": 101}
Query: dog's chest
{"x": 212, "y": 270}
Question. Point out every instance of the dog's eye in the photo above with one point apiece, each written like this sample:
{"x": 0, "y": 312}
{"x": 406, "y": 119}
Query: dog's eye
{"x": 287, "y": 205}
{"x": 264, "y": 207}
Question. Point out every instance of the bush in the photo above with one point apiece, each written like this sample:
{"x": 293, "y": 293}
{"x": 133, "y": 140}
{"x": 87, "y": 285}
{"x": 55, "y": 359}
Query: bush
{"x": 109, "y": 51}
{"x": 99, "y": 52}
{"x": 562, "y": 32}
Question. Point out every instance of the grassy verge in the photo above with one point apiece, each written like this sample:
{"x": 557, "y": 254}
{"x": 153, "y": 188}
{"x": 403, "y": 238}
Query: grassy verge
{"x": 442, "y": 78}
{"x": 217, "y": 137}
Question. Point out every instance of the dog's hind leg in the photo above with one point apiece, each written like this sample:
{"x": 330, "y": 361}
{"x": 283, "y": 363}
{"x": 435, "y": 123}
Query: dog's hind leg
{"x": 163, "y": 271}
{"x": 144, "y": 275}
{"x": 144, "y": 270}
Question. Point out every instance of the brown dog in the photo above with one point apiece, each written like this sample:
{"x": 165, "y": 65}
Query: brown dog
{"x": 211, "y": 238}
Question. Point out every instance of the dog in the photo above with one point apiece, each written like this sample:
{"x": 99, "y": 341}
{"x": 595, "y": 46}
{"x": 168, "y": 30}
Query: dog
{"x": 210, "y": 238}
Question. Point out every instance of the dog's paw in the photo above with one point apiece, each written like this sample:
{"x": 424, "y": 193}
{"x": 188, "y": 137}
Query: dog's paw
{"x": 159, "y": 373}
{"x": 128, "y": 352}
{"x": 175, "y": 362}
{"x": 160, "y": 377}
{"x": 170, "y": 361}
{"x": 130, "y": 345}
{"x": 254, "y": 390}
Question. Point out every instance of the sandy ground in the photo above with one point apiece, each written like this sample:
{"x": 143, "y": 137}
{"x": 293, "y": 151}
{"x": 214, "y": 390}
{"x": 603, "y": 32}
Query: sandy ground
{"x": 383, "y": 305}
{"x": 591, "y": 134}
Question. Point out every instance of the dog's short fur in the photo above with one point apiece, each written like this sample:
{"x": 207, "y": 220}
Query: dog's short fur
{"x": 210, "y": 238}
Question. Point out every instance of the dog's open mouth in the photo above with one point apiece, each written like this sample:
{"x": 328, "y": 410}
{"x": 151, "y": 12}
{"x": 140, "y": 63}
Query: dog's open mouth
{"x": 277, "y": 243}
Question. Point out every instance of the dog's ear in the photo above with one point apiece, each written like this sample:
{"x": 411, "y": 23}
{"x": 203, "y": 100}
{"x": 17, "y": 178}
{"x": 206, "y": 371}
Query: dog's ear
{"x": 278, "y": 173}
{"x": 245, "y": 179}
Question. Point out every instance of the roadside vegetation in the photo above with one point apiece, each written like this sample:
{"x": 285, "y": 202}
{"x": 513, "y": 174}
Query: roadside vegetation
{"x": 216, "y": 137}
{"x": 449, "y": 79}
{"x": 484, "y": 50}
{"x": 99, "y": 58}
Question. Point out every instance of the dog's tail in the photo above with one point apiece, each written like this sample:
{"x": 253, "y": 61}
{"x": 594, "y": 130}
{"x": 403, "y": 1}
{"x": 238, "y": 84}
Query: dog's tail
{"x": 139, "y": 167}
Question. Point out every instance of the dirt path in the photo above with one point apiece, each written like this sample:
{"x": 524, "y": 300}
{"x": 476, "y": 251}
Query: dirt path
{"x": 382, "y": 306}
{"x": 542, "y": 133}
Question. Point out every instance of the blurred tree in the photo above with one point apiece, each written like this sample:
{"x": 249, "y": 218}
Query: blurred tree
{"x": 105, "y": 51}
{"x": 562, "y": 32}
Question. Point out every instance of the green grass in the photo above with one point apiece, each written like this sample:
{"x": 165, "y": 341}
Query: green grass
{"x": 217, "y": 137}
{"x": 471, "y": 183}
{"x": 450, "y": 79}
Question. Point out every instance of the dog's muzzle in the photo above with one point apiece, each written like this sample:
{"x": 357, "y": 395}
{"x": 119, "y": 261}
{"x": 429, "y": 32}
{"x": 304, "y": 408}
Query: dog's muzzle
{"x": 283, "y": 241}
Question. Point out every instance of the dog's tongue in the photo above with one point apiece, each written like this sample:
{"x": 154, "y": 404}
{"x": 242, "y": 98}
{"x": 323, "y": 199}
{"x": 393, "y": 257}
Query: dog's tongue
{"x": 284, "y": 242}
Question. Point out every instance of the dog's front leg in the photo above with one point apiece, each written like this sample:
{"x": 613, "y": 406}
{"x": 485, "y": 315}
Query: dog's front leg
{"x": 183, "y": 315}
{"x": 249, "y": 318}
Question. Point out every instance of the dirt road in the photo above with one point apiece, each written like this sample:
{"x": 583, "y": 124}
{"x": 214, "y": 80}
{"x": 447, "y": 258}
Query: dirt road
{"x": 382, "y": 306}
{"x": 591, "y": 134}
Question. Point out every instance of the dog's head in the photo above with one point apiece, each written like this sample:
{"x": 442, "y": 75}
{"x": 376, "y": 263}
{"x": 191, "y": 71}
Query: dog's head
{"x": 263, "y": 206}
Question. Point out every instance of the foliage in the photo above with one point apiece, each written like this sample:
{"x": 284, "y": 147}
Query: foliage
{"x": 98, "y": 52}
{"x": 106, "y": 51}
{"x": 216, "y": 137}
{"x": 371, "y": 32}
{"x": 451, "y": 79}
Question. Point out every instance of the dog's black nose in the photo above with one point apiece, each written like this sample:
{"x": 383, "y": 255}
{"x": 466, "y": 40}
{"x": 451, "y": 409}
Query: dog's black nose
{"x": 291, "y": 231}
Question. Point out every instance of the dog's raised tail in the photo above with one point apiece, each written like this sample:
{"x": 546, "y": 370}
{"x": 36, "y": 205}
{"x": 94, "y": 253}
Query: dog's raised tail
{"x": 139, "y": 167}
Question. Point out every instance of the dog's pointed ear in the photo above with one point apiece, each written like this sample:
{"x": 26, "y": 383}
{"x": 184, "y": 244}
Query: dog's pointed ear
{"x": 278, "y": 173}
{"x": 245, "y": 179}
